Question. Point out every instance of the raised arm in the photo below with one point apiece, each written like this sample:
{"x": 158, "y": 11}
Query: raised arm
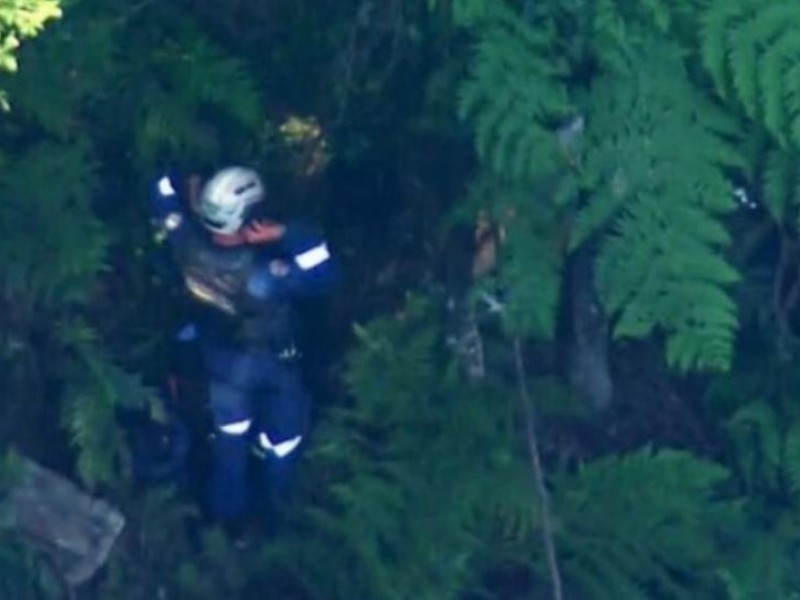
{"x": 308, "y": 269}
{"x": 167, "y": 210}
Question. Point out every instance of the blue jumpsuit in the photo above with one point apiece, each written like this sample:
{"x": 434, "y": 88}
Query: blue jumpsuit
{"x": 247, "y": 332}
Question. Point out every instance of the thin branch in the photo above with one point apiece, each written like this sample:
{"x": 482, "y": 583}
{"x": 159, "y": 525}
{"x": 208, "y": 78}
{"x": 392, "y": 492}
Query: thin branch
{"x": 131, "y": 12}
{"x": 397, "y": 28}
{"x": 538, "y": 474}
{"x": 350, "y": 57}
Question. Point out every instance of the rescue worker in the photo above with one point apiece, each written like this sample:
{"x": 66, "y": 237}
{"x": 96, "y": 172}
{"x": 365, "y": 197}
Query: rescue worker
{"x": 245, "y": 272}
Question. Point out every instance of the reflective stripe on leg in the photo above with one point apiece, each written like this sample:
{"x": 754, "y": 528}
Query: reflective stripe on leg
{"x": 237, "y": 428}
{"x": 280, "y": 449}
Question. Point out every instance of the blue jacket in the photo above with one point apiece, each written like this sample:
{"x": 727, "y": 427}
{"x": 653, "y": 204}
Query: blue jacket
{"x": 247, "y": 303}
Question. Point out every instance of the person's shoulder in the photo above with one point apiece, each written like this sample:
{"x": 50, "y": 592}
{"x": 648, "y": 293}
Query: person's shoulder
{"x": 300, "y": 229}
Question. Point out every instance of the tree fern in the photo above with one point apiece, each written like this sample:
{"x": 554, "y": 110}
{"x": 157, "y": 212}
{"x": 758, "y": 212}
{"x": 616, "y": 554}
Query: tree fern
{"x": 513, "y": 91}
{"x": 640, "y": 525}
{"x": 194, "y": 76}
{"x": 761, "y": 438}
{"x": 417, "y": 471}
{"x": 650, "y": 164}
{"x": 653, "y": 159}
{"x": 752, "y": 51}
{"x": 765, "y": 564}
{"x": 440, "y": 478}
{"x": 57, "y": 265}
{"x": 96, "y": 390}
{"x": 761, "y": 424}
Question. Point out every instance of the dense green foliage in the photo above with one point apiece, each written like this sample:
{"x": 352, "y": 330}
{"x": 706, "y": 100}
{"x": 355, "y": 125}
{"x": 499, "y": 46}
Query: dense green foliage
{"x": 20, "y": 19}
{"x": 662, "y": 138}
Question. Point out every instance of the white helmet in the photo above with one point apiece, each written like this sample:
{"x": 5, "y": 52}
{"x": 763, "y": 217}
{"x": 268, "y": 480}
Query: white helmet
{"x": 227, "y": 196}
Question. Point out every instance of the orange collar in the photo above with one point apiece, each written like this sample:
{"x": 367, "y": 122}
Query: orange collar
{"x": 256, "y": 232}
{"x": 229, "y": 240}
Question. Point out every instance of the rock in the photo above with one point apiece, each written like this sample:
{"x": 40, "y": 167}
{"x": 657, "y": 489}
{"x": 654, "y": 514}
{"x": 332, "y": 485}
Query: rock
{"x": 75, "y": 530}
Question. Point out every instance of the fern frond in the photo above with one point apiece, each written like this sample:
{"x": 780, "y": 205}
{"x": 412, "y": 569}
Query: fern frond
{"x": 89, "y": 417}
{"x": 780, "y": 180}
{"x": 97, "y": 389}
{"x": 180, "y": 83}
{"x": 654, "y": 157}
{"x": 641, "y": 521}
{"x": 415, "y": 490}
{"x": 532, "y": 256}
{"x": 744, "y": 55}
{"x": 750, "y": 49}
{"x": 511, "y": 94}
{"x": 717, "y": 22}
{"x": 468, "y": 13}
{"x": 203, "y": 74}
{"x": 762, "y": 417}
{"x": 791, "y": 460}
{"x": 58, "y": 264}
{"x": 531, "y": 268}
{"x": 755, "y": 433}
{"x": 763, "y": 567}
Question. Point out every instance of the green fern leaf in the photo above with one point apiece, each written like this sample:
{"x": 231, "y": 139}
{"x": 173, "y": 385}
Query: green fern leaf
{"x": 57, "y": 267}
{"x": 744, "y": 55}
{"x": 792, "y": 460}
{"x": 513, "y": 91}
{"x": 779, "y": 180}
{"x": 763, "y": 72}
{"x": 661, "y": 268}
{"x": 770, "y": 80}
{"x": 469, "y": 13}
{"x": 637, "y": 522}
{"x": 411, "y": 497}
{"x": 754, "y": 46}
{"x": 716, "y": 24}
{"x": 761, "y": 417}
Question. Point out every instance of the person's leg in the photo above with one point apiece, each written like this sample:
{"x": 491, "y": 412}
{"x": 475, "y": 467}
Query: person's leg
{"x": 232, "y": 423}
{"x": 282, "y": 430}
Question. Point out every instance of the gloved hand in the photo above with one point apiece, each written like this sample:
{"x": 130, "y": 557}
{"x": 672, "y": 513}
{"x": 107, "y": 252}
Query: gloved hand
{"x": 261, "y": 231}
{"x": 164, "y": 201}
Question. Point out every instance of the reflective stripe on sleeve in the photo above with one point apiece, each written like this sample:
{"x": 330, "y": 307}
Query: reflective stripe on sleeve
{"x": 280, "y": 449}
{"x": 313, "y": 257}
{"x": 237, "y": 428}
{"x": 165, "y": 187}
